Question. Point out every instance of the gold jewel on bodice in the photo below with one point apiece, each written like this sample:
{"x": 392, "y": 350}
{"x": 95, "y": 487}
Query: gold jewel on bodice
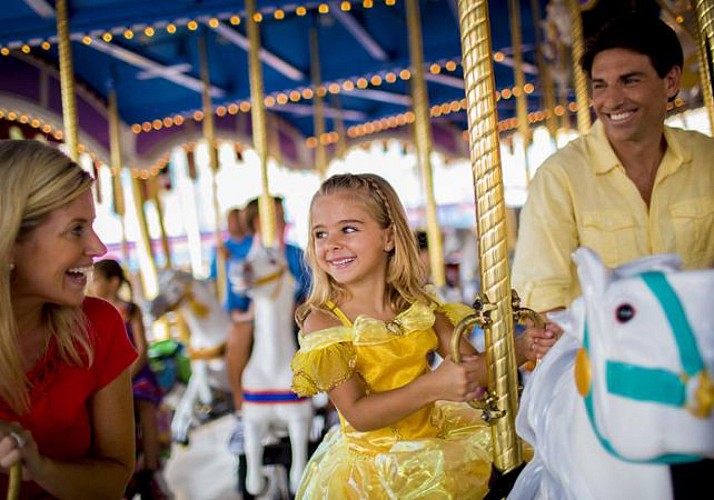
{"x": 394, "y": 326}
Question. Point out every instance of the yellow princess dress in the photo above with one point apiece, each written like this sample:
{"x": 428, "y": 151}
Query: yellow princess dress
{"x": 441, "y": 451}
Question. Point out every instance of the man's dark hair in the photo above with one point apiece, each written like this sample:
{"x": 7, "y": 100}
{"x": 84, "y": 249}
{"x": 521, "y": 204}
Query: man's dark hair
{"x": 252, "y": 211}
{"x": 641, "y": 33}
{"x": 422, "y": 240}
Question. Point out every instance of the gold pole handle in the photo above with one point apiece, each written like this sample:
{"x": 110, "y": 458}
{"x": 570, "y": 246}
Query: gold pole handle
{"x": 13, "y": 487}
{"x": 488, "y": 403}
{"x": 520, "y": 314}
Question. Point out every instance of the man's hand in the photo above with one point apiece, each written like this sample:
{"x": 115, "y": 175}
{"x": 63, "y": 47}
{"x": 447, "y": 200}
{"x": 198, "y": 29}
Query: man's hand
{"x": 536, "y": 342}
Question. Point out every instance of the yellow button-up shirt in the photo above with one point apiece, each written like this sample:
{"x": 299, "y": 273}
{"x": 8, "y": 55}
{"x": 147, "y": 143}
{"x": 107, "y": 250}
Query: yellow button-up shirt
{"x": 581, "y": 196}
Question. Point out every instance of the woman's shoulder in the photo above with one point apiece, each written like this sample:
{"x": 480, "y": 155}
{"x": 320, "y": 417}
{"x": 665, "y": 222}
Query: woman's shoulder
{"x": 100, "y": 311}
{"x": 93, "y": 306}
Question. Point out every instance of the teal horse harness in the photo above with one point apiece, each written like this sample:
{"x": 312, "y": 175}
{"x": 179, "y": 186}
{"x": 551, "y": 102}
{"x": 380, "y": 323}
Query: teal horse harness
{"x": 656, "y": 385}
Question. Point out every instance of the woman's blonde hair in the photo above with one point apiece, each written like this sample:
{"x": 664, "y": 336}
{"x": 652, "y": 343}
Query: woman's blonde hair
{"x": 405, "y": 275}
{"x": 35, "y": 179}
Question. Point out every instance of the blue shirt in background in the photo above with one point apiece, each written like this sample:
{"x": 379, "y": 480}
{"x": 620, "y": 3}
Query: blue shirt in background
{"x": 238, "y": 250}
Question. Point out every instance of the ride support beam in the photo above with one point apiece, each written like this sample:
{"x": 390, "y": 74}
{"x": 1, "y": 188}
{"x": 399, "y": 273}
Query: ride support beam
{"x": 705, "y": 21}
{"x": 209, "y": 134}
{"x": 116, "y": 169}
{"x": 547, "y": 87}
{"x": 491, "y": 227}
{"x": 146, "y": 257}
{"x": 156, "y": 199}
{"x": 519, "y": 78}
{"x": 422, "y": 137}
{"x": 319, "y": 104}
{"x": 266, "y": 205}
{"x": 579, "y": 79}
{"x": 69, "y": 103}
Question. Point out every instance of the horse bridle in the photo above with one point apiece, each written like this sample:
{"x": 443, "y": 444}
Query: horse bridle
{"x": 653, "y": 384}
{"x": 269, "y": 279}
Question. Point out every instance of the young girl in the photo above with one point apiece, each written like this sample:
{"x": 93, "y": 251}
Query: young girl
{"x": 367, "y": 327}
{"x": 108, "y": 279}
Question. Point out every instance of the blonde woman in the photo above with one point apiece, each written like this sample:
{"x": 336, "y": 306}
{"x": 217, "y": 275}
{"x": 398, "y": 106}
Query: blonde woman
{"x": 65, "y": 392}
{"x": 367, "y": 328}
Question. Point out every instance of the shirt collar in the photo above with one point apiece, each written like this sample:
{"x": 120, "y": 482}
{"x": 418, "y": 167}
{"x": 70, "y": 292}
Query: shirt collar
{"x": 605, "y": 159}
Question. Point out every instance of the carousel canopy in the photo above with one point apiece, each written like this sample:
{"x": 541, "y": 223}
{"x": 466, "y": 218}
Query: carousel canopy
{"x": 148, "y": 52}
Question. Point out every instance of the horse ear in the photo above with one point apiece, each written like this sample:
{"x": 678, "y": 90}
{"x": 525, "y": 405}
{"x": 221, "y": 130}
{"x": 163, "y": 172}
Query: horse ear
{"x": 594, "y": 276}
{"x": 666, "y": 262}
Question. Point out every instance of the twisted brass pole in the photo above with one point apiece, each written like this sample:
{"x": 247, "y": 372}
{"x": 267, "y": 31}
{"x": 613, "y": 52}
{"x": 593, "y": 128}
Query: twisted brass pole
{"x": 422, "y": 133}
{"x": 116, "y": 161}
{"x": 318, "y": 104}
{"x": 579, "y": 78}
{"x": 491, "y": 226}
{"x": 705, "y": 20}
{"x": 69, "y": 105}
{"x": 260, "y": 140}
{"x": 209, "y": 134}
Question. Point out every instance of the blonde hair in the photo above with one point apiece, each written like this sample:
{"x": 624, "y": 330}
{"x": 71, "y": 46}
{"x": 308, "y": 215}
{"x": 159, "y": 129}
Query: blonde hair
{"x": 405, "y": 275}
{"x": 35, "y": 179}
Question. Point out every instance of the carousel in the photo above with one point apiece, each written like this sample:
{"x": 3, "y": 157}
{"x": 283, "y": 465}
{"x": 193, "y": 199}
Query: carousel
{"x": 162, "y": 99}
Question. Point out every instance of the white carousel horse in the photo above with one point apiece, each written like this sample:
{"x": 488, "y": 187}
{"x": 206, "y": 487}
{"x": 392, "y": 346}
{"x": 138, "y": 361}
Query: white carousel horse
{"x": 208, "y": 325}
{"x": 627, "y": 390}
{"x": 269, "y": 406}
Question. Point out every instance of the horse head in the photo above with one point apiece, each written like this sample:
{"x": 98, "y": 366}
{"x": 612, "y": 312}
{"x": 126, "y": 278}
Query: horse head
{"x": 645, "y": 365}
{"x": 259, "y": 275}
{"x": 627, "y": 389}
{"x": 173, "y": 287}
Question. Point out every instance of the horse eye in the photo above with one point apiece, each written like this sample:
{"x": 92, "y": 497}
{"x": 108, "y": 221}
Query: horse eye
{"x": 625, "y": 313}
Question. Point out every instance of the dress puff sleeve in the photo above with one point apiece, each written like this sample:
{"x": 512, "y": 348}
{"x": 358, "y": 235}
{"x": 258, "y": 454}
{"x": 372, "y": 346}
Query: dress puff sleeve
{"x": 454, "y": 311}
{"x": 326, "y": 358}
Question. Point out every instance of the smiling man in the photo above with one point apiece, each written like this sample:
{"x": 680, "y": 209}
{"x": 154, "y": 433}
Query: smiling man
{"x": 632, "y": 186}
{"x": 629, "y": 188}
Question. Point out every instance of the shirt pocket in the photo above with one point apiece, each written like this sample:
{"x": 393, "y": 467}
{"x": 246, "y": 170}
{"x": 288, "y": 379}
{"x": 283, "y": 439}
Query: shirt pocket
{"x": 611, "y": 234}
{"x": 693, "y": 222}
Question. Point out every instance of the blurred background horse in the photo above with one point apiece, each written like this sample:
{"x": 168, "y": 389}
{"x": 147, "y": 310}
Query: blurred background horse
{"x": 208, "y": 326}
{"x": 269, "y": 405}
{"x": 626, "y": 393}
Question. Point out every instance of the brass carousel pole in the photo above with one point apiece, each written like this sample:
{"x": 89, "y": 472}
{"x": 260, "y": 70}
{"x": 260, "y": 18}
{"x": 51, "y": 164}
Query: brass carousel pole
{"x": 209, "y": 133}
{"x": 514, "y": 10}
{"x": 705, "y": 21}
{"x": 547, "y": 87}
{"x": 69, "y": 105}
{"x": 260, "y": 141}
{"x": 579, "y": 79}
{"x": 116, "y": 160}
{"x": 318, "y": 104}
{"x": 422, "y": 133}
{"x": 491, "y": 228}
